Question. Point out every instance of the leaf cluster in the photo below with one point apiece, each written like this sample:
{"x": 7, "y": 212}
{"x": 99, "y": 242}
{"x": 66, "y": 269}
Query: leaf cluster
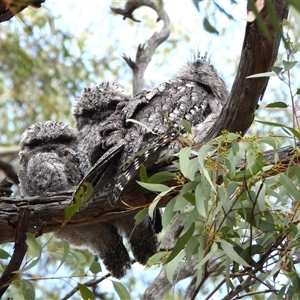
{"x": 240, "y": 216}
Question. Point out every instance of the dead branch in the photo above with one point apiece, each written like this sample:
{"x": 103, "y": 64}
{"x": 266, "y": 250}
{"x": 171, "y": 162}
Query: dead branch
{"x": 144, "y": 52}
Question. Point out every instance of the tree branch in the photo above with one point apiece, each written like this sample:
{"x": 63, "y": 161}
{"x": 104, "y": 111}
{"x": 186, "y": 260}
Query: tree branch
{"x": 47, "y": 212}
{"x": 19, "y": 251}
{"x": 144, "y": 52}
{"x": 9, "y": 9}
{"x": 258, "y": 55}
{"x": 161, "y": 285}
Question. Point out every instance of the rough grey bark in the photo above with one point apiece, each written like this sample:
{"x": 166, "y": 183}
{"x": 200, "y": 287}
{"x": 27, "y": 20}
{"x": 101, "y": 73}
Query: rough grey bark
{"x": 258, "y": 56}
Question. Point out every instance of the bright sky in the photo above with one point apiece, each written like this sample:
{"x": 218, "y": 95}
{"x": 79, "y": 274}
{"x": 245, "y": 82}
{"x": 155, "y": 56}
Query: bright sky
{"x": 96, "y": 16}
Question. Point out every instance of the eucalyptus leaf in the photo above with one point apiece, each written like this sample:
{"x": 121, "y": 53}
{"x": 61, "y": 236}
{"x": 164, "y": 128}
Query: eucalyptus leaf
{"x": 28, "y": 290}
{"x": 85, "y": 293}
{"x": 121, "y": 290}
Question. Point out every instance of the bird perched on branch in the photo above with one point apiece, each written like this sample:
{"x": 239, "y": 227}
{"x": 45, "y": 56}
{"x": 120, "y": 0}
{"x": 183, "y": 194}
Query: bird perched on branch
{"x": 49, "y": 163}
{"x": 97, "y": 113}
{"x": 196, "y": 94}
{"x": 48, "y": 159}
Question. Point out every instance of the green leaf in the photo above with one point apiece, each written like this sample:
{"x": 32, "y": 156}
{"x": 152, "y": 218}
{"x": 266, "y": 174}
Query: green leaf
{"x": 172, "y": 265}
{"x": 209, "y": 27}
{"x": 70, "y": 211}
{"x": 187, "y": 125}
{"x": 95, "y": 267}
{"x": 201, "y": 157}
{"x": 30, "y": 265}
{"x": 86, "y": 294}
{"x": 143, "y": 174}
{"x": 277, "y": 70}
{"x": 34, "y": 248}
{"x": 265, "y": 74}
{"x": 79, "y": 258}
{"x": 155, "y": 187}
{"x": 192, "y": 247}
{"x": 184, "y": 160}
{"x": 290, "y": 187}
{"x": 295, "y": 132}
{"x": 83, "y": 194}
{"x": 66, "y": 251}
{"x": 228, "y": 249}
{"x": 121, "y": 290}
{"x": 4, "y": 254}
{"x": 181, "y": 242}
{"x": 277, "y": 105}
{"x": 161, "y": 177}
{"x": 156, "y": 258}
{"x": 289, "y": 64}
{"x": 88, "y": 193}
{"x": 192, "y": 169}
{"x": 168, "y": 213}
{"x": 202, "y": 194}
{"x": 212, "y": 251}
{"x": 28, "y": 290}
{"x": 140, "y": 216}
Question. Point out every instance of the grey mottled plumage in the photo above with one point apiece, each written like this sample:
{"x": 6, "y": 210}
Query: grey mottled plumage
{"x": 101, "y": 127}
{"x": 196, "y": 94}
{"x": 48, "y": 159}
{"x": 49, "y": 163}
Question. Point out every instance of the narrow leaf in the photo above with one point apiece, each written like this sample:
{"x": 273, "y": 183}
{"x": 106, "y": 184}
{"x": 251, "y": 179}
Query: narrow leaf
{"x": 155, "y": 187}
{"x": 140, "y": 216}
{"x": 187, "y": 125}
{"x": 172, "y": 265}
{"x": 160, "y": 177}
{"x": 228, "y": 249}
{"x": 34, "y": 248}
{"x": 209, "y": 27}
{"x": 143, "y": 174}
{"x": 156, "y": 258}
{"x": 181, "y": 242}
{"x": 277, "y": 105}
{"x": 265, "y": 74}
{"x": 28, "y": 290}
{"x": 184, "y": 160}
{"x": 4, "y": 254}
{"x": 66, "y": 247}
{"x": 290, "y": 187}
{"x": 121, "y": 290}
{"x": 86, "y": 294}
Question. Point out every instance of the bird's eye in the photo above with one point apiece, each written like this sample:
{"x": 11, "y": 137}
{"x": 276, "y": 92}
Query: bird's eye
{"x": 34, "y": 144}
{"x": 87, "y": 113}
{"x": 63, "y": 140}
